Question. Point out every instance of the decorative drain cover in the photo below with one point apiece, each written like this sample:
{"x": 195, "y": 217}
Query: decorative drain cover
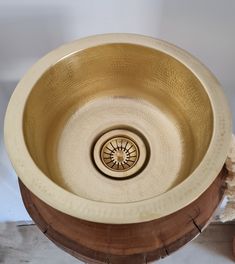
{"x": 120, "y": 153}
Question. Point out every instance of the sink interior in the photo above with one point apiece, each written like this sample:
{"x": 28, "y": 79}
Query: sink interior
{"x": 129, "y": 92}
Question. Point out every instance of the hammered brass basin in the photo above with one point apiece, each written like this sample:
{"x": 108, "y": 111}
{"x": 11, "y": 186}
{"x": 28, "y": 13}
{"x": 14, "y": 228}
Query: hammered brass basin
{"x": 118, "y": 128}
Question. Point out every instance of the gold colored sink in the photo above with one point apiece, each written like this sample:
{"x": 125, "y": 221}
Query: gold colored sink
{"x": 118, "y": 128}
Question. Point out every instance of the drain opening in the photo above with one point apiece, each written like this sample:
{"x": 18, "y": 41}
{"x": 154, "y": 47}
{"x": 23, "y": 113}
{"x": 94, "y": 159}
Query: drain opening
{"x": 120, "y": 153}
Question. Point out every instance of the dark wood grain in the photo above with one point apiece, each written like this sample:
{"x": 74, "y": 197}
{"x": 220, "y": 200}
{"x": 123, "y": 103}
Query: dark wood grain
{"x": 127, "y": 243}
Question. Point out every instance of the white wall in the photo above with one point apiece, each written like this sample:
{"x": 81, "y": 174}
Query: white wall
{"x": 29, "y": 29}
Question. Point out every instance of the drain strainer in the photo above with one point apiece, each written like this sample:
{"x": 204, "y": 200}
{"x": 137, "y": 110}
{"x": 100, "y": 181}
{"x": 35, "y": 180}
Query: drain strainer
{"x": 119, "y": 153}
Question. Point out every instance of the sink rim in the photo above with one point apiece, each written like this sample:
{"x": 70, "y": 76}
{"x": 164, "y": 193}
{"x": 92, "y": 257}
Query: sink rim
{"x": 114, "y": 213}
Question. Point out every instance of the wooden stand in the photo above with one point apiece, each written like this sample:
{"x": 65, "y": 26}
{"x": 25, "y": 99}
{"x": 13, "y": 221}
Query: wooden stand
{"x": 127, "y": 243}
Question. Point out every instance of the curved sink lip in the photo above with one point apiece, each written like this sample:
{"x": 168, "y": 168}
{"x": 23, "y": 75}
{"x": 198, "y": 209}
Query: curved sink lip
{"x": 114, "y": 213}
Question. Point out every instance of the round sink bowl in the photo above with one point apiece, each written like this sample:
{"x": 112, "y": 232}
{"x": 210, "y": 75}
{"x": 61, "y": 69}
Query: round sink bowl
{"x": 118, "y": 128}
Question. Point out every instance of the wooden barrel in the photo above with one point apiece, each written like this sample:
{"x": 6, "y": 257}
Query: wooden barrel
{"x": 119, "y": 139}
{"x": 125, "y": 243}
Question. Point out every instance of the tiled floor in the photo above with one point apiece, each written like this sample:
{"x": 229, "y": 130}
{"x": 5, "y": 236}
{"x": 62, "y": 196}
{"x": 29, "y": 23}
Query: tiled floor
{"x": 26, "y": 244}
